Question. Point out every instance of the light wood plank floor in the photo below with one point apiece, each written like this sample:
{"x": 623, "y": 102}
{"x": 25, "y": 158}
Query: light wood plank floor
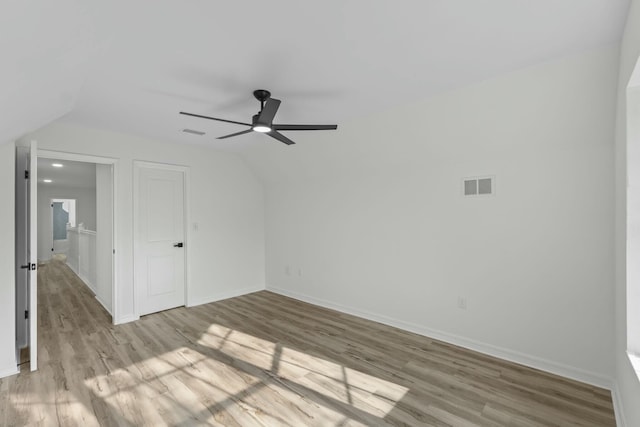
{"x": 266, "y": 360}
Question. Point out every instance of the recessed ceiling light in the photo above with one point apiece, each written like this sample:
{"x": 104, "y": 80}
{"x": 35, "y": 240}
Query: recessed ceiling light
{"x": 47, "y": 180}
{"x": 56, "y": 165}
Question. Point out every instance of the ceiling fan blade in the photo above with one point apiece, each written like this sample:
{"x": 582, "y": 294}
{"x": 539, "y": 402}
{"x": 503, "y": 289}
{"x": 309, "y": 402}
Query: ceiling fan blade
{"x": 304, "y": 127}
{"x": 213, "y": 118}
{"x": 269, "y": 111}
{"x": 280, "y": 137}
{"x": 235, "y": 134}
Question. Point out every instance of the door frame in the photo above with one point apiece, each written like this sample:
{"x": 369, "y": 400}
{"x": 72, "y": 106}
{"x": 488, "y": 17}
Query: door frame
{"x": 186, "y": 219}
{"x": 62, "y": 155}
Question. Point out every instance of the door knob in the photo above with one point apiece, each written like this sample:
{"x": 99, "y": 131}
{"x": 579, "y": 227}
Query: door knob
{"x": 178, "y": 245}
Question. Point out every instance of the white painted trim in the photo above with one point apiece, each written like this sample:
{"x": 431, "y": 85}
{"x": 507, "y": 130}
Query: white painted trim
{"x": 84, "y": 280}
{"x": 87, "y": 283}
{"x": 103, "y": 305}
{"x": 224, "y": 295}
{"x": 114, "y": 241}
{"x": 77, "y": 273}
{"x": 134, "y": 240}
{"x": 127, "y": 319}
{"x": 617, "y": 406}
{"x": 635, "y": 363}
{"x": 491, "y": 350}
{"x": 7, "y": 372}
{"x": 63, "y": 155}
{"x": 75, "y": 157}
{"x": 186, "y": 184}
{"x": 33, "y": 248}
{"x": 50, "y": 253}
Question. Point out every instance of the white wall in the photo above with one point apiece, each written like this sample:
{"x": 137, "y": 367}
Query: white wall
{"x": 226, "y": 253}
{"x": 85, "y": 212}
{"x": 628, "y": 384}
{"x": 370, "y": 219}
{"x": 7, "y": 263}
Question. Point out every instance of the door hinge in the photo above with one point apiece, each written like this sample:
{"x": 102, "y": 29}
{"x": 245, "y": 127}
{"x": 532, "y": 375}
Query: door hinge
{"x": 26, "y": 174}
{"x": 26, "y": 314}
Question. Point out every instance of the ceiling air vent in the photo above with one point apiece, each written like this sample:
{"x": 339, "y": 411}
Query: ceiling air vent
{"x": 193, "y": 132}
{"x": 478, "y": 186}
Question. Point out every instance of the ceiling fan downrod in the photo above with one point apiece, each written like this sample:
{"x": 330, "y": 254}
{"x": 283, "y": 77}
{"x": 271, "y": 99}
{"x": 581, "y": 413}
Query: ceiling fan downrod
{"x": 261, "y": 95}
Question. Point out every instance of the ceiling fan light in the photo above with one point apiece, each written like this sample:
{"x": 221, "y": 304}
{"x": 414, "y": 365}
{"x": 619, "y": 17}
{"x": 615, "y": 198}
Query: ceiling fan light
{"x": 262, "y": 128}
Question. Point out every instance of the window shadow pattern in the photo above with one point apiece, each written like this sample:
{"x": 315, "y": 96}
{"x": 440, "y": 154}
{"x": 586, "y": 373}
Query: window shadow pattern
{"x": 263, "y": 359}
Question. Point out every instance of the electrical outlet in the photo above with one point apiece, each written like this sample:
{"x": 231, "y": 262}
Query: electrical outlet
{"x": 462, "y": 303}
{"x": 287, "y": 270}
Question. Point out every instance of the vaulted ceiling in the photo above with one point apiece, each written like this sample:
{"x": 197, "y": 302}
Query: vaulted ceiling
{"x": 131, "y": 66}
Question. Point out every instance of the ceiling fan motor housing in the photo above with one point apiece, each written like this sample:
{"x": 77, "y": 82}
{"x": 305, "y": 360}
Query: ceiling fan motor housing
{"x": 260, "y": 126}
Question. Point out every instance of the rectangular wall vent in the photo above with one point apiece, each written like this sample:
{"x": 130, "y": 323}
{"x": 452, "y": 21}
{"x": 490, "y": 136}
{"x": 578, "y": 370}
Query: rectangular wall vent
{"x": 193, "y": 132}
{"x": 478, "y": 186}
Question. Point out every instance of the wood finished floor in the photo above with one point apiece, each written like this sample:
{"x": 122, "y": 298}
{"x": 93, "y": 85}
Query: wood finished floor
{"x": 266, "y": 360}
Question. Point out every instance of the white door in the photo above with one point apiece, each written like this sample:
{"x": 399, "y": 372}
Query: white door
{"x": 26, "y": 251}
{"x": 160, "y": 250}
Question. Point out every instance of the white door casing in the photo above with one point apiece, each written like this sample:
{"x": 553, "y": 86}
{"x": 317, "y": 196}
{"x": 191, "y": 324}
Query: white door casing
{"x": 159, "y": 242}
{"x": 33, "y": 256}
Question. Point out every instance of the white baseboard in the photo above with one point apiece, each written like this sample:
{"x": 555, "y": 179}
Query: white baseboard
{"x": 72, "y": 268}
{"x": 103, "y": 304}
{"x": 7, "y": 372}
{"x": 199, "y": 301}
{"x": 617, "y": 406}
{"x": 491, "y": 350}
{"x": 126, "y": 319}
{"x": 224, "y": 295}
{"x": 87, "y": 282}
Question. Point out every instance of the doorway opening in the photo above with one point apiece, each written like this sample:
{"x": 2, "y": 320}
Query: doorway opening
{"x": 70, "y": 212}
{"x": 63, "y": 217}
{"x": 75, "y": 220}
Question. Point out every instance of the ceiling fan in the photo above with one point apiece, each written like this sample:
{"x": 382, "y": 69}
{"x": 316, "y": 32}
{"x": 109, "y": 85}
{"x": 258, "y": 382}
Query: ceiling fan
{"x": 263, "y": 121}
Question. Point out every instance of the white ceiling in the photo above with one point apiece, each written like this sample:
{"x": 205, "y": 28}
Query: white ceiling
{"x": 131, "y": 66}
{"x": 71, "y": 174}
